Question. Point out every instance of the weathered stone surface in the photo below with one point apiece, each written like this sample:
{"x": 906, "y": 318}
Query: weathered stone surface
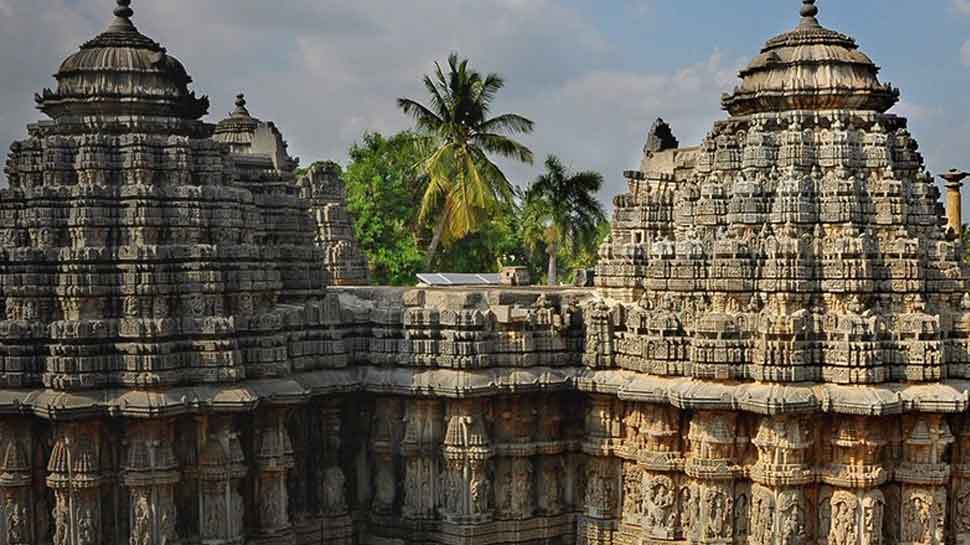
{"x": 775, "y": 353}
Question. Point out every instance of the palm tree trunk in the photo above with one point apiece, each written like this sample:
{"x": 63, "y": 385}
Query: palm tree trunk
{"x": 553, "y": 274}
{"x": 439, "y": 230}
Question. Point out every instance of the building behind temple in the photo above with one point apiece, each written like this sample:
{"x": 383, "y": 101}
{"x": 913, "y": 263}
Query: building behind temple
{"x": 776, "y": 351}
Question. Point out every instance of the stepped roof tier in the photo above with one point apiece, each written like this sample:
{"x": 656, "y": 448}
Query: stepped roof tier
{"x": 810, "y": 68}
{"x": 139, "y": 252}
{"x": 122, "y": 73}
{"x": 254, "y": 139}
{"x": 801, "y": 242}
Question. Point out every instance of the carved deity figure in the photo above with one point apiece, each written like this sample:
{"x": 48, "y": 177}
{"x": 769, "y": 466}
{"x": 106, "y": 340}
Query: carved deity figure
{"x": 762, "y": 517}
{"x": 793, "y": 531}
{"x": 60, "y": 519}
{"x": 480, "y": 488}
{"x": 689, "y": 510}
{"x": 141, "y": 533}
{"x": 717, "y": 510}
{"x": 741, "y": 515}
{"x": 844, "y": 529}
{"x": 334, "y": 484}
{"x": 873, "y": 508}
{"x": 166, "y": 524}
{"x": 551, "y": 491}
{"x": 599, "y": 489}
{"x": 16, "y": 515}
{"x": 963, "y": 511}
{"x": 384, "y": 484}
{"x": 633, "y": 500}
{"x": 659, "y": 505}
{"x": 917, "y": 521}
{"x": 86, "y": 528}
{"x": 522, "y": 491}
{"x": 214, "y": 512}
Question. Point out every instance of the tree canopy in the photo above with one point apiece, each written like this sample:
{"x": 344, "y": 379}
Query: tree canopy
{"x": 455, "y": 138}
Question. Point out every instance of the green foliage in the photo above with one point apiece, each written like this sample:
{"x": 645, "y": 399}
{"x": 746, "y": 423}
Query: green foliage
{"x": 329, "y": 165}
{"x": 562, "y": 217}
{"x": 578, "y": 257}
{"x": 384, "y": 192}
{"x": 383, "y": 188}
{"x": 456, "y": 135}
{"x": 496, "y": 244}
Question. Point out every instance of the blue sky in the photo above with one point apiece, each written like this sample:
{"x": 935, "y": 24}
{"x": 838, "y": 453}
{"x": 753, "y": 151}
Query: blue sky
{"x": 592, "y": 74}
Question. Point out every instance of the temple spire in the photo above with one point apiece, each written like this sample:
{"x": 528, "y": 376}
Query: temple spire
{"x": 122, "y": 21}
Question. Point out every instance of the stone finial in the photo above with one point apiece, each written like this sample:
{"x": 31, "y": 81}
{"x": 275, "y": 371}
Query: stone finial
{"x": 124, "y": 10}
{"x": 241, "y": 106}
{"x": 809, "y": 9}
{"x": 809, "y": 12}
{"x": 122, "y": 21}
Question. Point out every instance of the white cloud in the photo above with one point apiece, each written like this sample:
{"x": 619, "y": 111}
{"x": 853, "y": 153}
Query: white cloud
{"x": 600, "y": 118}
{"x": 962, "y": 6}
{"x": 916, "y": 112}
{"x": 324, "y": 70}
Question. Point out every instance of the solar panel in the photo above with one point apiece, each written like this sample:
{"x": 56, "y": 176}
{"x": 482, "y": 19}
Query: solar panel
{"x": 459, "y": 279}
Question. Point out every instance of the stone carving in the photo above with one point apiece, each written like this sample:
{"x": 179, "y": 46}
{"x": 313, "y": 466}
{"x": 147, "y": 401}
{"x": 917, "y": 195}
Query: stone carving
{"x": 659, "y": 507}
{"x": 774, "y": 352}
{"x": 600, "y": 488}
{"x": 844, "y": 519}
{"x": 763, "y": 513}
{"x": 344, "y": 261}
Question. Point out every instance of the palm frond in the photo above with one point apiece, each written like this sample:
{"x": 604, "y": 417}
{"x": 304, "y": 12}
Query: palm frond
{"x": 424, "y": 117}
{"x": 510, "y": 123}
{"x": 499, "y": 185}
{"x": 503, "y": 146}
{"x": 439, "y": 103}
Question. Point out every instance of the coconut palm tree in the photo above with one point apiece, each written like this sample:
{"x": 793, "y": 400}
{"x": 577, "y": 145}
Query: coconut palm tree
{"x": 562, "y": 212}
{"x": 457, "y": 136}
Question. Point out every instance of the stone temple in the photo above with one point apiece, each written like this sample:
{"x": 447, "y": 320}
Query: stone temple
{"x": 776, "y": 351}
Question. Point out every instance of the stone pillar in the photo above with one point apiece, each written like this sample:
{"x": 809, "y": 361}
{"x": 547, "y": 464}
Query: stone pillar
{"x": 600, "y": 341}
{"x": 151, "y": 473}
{"x": 603, "y": 481}
{"x": 303, "y": 480}
{"x": 16, "y": 515}
{"x": 513, "y": 440}
{"x": 552, "y": 480}
{"x": 222, "y": 466}
{"x": 651, "y": 476}
{"x": 74, "y": 475}
{"x": 337, "y": 524}
{"x": 954, "y": 200}
{"x": 273, "y": 459}
{"x": 706, "y": 500}
{"x": 467, "y": 483}
{"x": 960, "y": 484}
{"x": 420, "y": 449}
{"x": 853, "y": 508}
{"x": 384, "y": 445}
{"x": 923, "y": 476}
{"x": 778, "y": 509}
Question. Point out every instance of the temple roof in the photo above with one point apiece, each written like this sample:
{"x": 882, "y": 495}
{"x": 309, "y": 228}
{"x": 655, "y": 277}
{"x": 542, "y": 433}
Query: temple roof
{"x": 249, "y": 136}
{"x": 121, "y": 72}
{"x": 810, "y": 68}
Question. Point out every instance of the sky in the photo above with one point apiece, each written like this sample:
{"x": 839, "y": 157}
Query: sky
{"x": 592, "y": 74}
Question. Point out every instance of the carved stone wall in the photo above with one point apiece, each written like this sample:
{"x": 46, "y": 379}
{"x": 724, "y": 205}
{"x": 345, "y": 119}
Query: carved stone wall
{"x": 776, "y": 352}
